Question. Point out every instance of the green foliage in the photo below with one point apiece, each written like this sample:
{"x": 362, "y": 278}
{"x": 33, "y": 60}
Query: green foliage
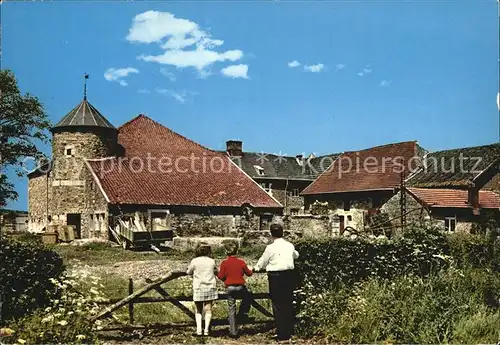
{"x": 66, "y": 319}
{"x": 26, "y": 269}
{"x": 23, "y": 123}
{"x": 482, "y": 327}
{"x": 408, "y": 309}
{"x": 419, "y": 252}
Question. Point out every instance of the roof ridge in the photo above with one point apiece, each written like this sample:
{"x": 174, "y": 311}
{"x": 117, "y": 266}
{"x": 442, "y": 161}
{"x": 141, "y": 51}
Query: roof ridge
{"x": 143, "y": 116}
{"x": 466, "y": 148}
{"x": 382, "y": 146}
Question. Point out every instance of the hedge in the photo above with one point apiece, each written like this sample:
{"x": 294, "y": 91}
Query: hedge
{"x": 26, "y": 269}
{"x": 329, "y": 262}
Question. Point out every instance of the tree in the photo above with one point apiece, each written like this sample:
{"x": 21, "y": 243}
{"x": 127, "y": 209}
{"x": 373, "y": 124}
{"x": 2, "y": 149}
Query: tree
{"x": 23, "y": 125}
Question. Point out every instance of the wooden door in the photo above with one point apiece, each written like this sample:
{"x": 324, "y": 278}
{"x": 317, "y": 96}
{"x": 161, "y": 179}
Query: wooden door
{"x": 341, "y": 225}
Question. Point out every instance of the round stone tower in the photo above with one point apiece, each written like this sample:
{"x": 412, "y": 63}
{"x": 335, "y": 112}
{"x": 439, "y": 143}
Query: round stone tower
{"x": 84, "y": 133}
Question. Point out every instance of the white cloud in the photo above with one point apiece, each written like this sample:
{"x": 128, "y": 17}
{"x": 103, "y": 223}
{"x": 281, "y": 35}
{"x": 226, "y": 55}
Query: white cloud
{"x": 144, "y": 91}
{"x": 385, "y": 83}
{"x": 235, "y": 71}
{"x": 314, "y": 68}
{"x": 153, "y": 26}
{"x": 180, "y": 96}
{"x": 168, "y": 74}
{"x": 117, "y": 74}
{"x": 199, "y": 58}
{"x": 339, "y": 66}
{"x": 174, "y": 35}
{"x": 366, "y": 70}
{"x": 293, "y": 64}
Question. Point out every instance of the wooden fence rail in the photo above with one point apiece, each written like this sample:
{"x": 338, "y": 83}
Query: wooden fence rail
{"x": 137, "y": 296}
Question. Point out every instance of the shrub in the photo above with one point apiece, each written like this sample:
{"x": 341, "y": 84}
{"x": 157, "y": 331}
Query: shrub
{"x": 329, "y": 262}
{"x": 66, "y": 319}
{"x": 26, "y": 269}
{"x": 475, "y": 250}
{"x": 482, "y": 327}
{"x": 408, "y": 309}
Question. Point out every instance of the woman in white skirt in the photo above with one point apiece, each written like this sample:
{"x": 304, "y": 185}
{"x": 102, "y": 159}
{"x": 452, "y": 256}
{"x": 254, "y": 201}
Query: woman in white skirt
{"x": 204, "y": 270}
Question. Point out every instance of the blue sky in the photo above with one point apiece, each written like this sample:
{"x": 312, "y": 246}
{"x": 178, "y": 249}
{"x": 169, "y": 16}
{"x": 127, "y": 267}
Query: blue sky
{"x": 366, "y": 73}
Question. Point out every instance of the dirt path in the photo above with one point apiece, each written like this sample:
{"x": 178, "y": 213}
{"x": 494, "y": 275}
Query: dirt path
{"x": 139, "y": 270}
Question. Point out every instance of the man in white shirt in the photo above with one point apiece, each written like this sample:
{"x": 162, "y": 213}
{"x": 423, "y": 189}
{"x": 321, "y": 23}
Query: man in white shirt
{"x": 278, "y": 261}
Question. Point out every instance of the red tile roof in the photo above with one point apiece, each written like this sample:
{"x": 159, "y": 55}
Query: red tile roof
{"x": 454, "y": 198}
{"x": 161, "y": 167}
{"x": 376, "y": 168}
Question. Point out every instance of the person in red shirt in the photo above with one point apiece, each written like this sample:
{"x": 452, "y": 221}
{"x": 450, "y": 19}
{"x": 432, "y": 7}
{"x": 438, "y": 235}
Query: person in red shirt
{"x": 232, "y": 272}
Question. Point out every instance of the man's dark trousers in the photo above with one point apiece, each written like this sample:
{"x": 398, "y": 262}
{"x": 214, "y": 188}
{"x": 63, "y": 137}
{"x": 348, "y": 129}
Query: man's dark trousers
{"x": 281, "y": 287}
{"x": 233, "y": 292}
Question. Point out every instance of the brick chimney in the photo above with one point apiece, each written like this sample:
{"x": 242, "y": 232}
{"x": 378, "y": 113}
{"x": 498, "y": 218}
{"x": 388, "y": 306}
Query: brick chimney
{"x": 234, "y": 148}
{"x": 473, "y": 197}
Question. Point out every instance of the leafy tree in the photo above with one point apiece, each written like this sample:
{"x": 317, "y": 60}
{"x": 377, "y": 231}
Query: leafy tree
{"x": 23, "y": 124}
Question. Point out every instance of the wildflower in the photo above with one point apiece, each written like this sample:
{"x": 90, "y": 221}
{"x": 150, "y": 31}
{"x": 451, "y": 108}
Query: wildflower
{"x": 21, "y": 341}
{"x": 48, "y": 318}
{"x": 5, "y": 332}
{"x": 63, "y": 322}
{"x": 80, "y": 337}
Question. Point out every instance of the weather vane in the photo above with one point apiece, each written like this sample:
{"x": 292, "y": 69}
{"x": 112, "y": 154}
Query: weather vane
{"x": 85, "y": 76}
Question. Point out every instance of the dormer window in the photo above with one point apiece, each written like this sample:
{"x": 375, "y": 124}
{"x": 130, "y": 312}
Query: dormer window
{"x": 259, "y": 170}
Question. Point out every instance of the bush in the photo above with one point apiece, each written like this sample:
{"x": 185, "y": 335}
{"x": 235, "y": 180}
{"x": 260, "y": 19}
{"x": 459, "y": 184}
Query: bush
{"x": 409, "y": 309}
{"x": 475, "y": 250}
{"x": 341, "y": 260}
{"x": 482, "y": 327}
{"x": 66, "y": 319}
{"x": 26, "y": 269}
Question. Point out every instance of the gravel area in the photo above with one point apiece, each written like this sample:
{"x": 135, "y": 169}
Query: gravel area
{"x": 140, "y": 270}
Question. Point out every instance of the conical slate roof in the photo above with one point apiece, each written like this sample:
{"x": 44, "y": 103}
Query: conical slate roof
{"x": 84, "y": 114}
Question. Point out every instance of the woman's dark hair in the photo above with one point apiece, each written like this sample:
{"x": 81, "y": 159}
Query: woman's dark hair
{"x": 276, "y": 230}
{"x": 203, "y": 249}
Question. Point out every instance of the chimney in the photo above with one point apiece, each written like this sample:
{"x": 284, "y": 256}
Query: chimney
{"x": 234, "y": 148}
{"x": 473, "y": 197}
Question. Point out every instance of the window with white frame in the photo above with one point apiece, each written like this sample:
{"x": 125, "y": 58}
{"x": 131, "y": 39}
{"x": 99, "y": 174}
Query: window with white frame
{"x": 295, "y": 192}
{"x": 450, "y": 223}
{"x": 259, "y": 170}
{"x": 294, "y": 211}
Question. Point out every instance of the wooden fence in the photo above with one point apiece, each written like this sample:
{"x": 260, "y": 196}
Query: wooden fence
{"x": 137, "y": 296}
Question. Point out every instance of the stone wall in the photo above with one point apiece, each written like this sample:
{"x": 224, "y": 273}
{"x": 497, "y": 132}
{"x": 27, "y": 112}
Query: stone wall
{"x": 37, "y": 202}
{"x": 310, "y": 226}
{"x": 197, "y": 221}
{"x": 283, "y": 191}
{"x": 393, "y": 209}
{"x": 72, "y": 189}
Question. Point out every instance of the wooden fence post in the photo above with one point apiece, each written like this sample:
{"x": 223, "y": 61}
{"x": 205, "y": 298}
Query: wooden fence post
{"x": 131, "y": 303}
